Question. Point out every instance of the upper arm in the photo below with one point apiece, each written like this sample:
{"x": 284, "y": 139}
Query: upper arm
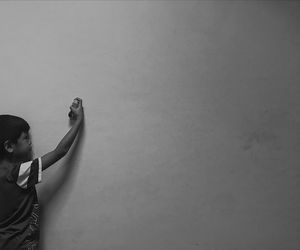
{"x": 29, "y": 173}
{"x": 50, "y": 158}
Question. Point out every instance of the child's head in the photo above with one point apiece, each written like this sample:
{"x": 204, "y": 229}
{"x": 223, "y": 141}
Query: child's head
{"x": 15, "y": 142}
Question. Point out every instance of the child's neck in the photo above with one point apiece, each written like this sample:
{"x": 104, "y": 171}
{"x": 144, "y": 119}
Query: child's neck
{"x": 5, "y": 163}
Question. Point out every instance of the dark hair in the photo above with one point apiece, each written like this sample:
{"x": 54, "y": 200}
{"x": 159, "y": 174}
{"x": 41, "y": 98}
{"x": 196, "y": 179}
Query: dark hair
{"x": 11, "y": 128}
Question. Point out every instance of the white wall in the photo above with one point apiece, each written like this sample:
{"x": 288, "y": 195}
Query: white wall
{"x": 191, "y": 138}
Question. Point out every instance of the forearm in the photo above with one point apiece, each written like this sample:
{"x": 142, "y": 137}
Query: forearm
{"x": 67, "y": 141}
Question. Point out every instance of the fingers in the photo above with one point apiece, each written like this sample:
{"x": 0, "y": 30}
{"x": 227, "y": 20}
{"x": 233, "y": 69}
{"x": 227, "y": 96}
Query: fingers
{"x": 79, "y": 100}
{"x": 76, "y": 105}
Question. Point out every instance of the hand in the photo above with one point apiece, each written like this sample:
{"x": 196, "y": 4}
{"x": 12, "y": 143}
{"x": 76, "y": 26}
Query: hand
{"x": 76, "y": 112}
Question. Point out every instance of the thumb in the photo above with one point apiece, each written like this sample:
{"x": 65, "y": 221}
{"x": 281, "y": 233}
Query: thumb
{"x": 72, "y": 108}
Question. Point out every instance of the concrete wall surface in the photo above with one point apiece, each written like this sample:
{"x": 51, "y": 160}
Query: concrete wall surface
{"x": 192, "y": 117}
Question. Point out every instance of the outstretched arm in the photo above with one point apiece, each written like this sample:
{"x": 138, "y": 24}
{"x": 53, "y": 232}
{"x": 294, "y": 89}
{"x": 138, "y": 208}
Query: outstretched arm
{"x": 65, "y": 144}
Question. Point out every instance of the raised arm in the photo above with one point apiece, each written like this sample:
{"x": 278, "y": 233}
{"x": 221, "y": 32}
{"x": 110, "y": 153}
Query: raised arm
{"x": 65, "y": 144}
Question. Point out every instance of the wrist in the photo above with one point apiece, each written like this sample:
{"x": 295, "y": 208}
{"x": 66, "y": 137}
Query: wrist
{"x": 79, "y": 120}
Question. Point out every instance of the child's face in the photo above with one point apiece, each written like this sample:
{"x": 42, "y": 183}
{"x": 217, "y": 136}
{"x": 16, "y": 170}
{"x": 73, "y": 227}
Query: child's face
{"x": 23, "y": 148}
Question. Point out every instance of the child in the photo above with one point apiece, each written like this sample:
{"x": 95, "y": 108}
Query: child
{"x": 19, "y": 172}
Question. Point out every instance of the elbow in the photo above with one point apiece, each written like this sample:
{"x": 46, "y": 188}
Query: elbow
{"x": 61, "y": 152}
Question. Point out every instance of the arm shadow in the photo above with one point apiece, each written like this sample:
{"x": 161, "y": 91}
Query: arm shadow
{"x": 61, "y": 183}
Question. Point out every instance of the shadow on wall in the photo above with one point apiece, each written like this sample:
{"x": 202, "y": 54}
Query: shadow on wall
{"x": 62, "y": 180}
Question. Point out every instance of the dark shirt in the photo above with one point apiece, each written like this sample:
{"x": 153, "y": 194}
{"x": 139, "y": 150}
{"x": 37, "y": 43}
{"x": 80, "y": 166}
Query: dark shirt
{"x": 19, "y": 208}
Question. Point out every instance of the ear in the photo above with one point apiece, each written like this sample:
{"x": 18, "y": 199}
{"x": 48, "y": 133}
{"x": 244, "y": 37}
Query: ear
{"x": 8, "y": 145}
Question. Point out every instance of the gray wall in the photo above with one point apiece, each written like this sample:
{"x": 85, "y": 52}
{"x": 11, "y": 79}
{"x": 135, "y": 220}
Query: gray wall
{"x": 191, "y": 138}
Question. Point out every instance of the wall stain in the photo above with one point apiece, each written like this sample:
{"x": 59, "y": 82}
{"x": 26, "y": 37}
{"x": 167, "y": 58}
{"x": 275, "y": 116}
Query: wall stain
{"x": 267, "y": 132}
{"x": 262, "y": 137}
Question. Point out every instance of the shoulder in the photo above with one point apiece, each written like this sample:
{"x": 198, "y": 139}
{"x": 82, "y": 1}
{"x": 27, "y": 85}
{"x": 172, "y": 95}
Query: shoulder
{"x": 10, "y": 171}
{"x": 25, "y": 174}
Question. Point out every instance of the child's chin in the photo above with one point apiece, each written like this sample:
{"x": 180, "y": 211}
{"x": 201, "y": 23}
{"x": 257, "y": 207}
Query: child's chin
{"x": 29, "y": 156}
